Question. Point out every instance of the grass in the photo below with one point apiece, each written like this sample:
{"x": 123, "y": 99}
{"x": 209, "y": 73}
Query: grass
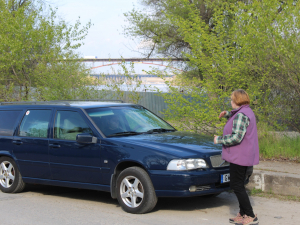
{"x": 270, "y": 194}
{"x": 276, "y": 146}
{"x": 255, "y": 191}
{"x": 283, "y": 148}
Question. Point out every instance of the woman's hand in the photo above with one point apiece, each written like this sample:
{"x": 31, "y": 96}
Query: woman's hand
{"x": 215, "y": 139}
{"x": 222, "y": 114}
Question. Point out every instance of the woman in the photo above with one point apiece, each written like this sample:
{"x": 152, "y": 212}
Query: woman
{"x": 240, "y": 148}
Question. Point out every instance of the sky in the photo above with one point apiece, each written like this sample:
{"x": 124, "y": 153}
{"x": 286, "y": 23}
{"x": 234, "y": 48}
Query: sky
{"x": 105, "y": 38}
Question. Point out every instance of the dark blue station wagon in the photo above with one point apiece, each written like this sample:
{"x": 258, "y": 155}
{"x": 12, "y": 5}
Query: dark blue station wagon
{"x": 117, "y": 147}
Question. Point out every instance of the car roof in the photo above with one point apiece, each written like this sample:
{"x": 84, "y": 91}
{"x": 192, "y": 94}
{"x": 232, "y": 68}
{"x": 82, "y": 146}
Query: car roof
{"x": 67, "y": 103}
{"x": 91, "y": 104}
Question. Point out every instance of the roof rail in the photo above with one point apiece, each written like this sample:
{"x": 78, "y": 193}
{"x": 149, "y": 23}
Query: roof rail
{"x": 34, "y": 103}
{"x": 95, "y": 100}
{"x": 63, "y": 102}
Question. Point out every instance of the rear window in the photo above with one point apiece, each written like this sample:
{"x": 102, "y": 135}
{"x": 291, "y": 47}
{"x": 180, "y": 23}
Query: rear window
{"x": 7, "y": 122}
{"x": 35, "y": 123}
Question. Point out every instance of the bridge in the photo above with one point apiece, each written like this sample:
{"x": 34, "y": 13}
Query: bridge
{"x": 117, "y": 77}
{"x": 117, "y": 61}
{"x": 95, "y": 59}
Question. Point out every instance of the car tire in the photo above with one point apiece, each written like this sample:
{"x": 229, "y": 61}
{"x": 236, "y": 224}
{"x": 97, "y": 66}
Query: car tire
{"x": 10, "y": 178}
{"x": 135, "y": 191}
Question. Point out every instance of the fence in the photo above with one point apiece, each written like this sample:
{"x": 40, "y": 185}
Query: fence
{"x": 150, "y": 100}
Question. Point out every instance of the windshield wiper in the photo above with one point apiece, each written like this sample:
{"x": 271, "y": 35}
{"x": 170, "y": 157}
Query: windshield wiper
{"x": 124, "y": 133}
{"x": 158, "y": 130}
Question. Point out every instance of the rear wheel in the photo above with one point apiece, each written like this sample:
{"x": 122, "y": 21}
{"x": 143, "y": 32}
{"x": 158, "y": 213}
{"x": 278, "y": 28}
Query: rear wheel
{"x": 135, "y": 191}
{"x": 10, "y": 177}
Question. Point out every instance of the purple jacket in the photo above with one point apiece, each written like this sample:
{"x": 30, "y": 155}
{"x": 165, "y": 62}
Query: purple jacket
{"x": 245, "y": 153}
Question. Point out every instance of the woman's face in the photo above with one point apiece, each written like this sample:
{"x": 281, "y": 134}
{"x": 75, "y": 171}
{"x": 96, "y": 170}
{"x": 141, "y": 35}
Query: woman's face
{"x": 233, "y": 105}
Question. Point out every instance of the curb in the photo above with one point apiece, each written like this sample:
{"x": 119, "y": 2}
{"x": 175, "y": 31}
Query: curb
{"x": 275, "y": 182}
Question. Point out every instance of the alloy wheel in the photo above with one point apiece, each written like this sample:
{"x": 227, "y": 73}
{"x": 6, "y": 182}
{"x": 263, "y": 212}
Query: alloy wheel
{"x": 7, "y": 174}
{"x": 132, "y": 191}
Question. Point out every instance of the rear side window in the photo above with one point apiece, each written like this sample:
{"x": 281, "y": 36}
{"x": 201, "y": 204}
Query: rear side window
{"x": 7, "y": 122}
{"x": 35, "y": 123}
{"x": 68, "y": 124}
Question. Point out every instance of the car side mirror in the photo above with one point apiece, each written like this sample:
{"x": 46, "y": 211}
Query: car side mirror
{"x": 86, "y": 138}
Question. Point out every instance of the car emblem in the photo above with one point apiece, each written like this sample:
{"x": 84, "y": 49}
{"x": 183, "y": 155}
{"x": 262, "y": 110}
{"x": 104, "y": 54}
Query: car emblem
{"x": 222, "y": 163}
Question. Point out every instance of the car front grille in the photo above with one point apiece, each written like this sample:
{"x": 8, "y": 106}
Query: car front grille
{"x": 217, "y": 161}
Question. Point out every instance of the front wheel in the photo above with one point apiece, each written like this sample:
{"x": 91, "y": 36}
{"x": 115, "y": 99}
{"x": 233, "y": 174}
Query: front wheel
{"x": 10, "y": 177}
{"x": 135, "y": 191}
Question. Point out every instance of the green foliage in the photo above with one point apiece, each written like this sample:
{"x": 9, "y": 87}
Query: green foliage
{"x": 249, "y": 45}
{"x": 37, "y": 58}
{"x": 270, "y": 194}
{"x": 221, "y": 71}
{"x": 128, "y": 81}
{"x": 278, "y": 145}
{"x": 155, "y": 30}
{"x": 152, "y": 25}
{"x": 280, "y": 148}
{"x": 255, "y": 191}
{"x": 268, "y": 34}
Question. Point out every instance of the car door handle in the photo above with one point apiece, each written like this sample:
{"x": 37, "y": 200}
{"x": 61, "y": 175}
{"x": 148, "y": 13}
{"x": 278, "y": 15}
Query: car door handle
{"x": 18, "y": 142}
{"x": 54, "y": 146}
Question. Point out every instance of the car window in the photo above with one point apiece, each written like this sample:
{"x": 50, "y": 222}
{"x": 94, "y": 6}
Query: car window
{"x": 136, "y": 119}
{"x": 35, "y": 123}
{"x": 7, "y": 122}
{"x": 109, "y": 121}
{"x": 131, "y": 121}
{"x": 68, "y": 124}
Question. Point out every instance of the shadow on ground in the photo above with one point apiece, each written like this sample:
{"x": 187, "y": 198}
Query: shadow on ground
{"x": 180, "y": 204}
{"x": 193, "y": 203}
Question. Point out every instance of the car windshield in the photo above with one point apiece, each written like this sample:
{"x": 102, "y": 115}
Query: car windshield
{"x": 127, "y": 120}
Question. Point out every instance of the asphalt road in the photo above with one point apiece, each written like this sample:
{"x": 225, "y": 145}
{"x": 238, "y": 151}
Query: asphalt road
{"x": 43, "y": 205}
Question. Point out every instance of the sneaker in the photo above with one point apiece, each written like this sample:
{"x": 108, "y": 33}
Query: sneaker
{"x": 247, "y": 220}
{"x": 237, "y": 219}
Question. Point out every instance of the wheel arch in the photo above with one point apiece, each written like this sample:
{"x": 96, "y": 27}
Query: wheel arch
{"x": 126, "y": 164}
{"x": 18, "y": 184}
{"x": 8, "y": 154}
{"x": 118, "y": 169}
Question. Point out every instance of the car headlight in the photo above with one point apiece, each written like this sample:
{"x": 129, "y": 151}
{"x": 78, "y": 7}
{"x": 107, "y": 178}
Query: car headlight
{"x": 187, "y": 164}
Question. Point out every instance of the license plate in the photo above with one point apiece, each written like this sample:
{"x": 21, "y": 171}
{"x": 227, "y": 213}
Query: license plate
{"x": 225, "y": 178}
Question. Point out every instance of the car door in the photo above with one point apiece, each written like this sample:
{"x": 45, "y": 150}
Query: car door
{"x": 70, "y": 160}
{"x": 31, "y": 143}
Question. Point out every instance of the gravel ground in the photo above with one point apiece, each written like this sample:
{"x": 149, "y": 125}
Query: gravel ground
{"x": 45, "y": 205}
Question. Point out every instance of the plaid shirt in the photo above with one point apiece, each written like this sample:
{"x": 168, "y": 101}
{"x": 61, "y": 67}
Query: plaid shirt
{"x": 239, "y": 128}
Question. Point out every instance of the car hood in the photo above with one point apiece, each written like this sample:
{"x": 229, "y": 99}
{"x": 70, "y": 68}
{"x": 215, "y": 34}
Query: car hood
{"x": 178, "y": 143}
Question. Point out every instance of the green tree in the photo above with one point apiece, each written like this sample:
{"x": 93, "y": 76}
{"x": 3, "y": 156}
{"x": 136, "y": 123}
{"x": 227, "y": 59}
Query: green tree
{"x": 251, "y": 46}
{"x": 213, "y": 52}
{"x": 128, "y": 82}
{"x": 160, "y": 35}
{"x": 153, "y": 26}
{"x": 268, "y": 33}
{"x": 37, "y": 54}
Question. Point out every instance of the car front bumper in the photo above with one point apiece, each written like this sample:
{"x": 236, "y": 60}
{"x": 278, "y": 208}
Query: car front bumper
{"x": 179, "y": 183}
